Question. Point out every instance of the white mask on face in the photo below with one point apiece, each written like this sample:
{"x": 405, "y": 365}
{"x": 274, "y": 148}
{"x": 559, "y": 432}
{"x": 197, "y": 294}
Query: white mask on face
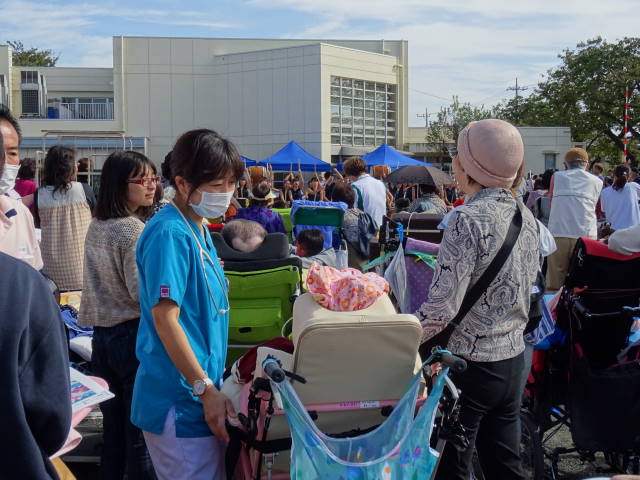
{"x": 212, "y": 205}
{"x": 8, "y": 179}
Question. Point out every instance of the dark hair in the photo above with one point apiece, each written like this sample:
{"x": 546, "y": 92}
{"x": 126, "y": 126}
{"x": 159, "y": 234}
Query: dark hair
{"x": 200, "y": 156}
{"x": 620, "y": 176}
{"x": 118, "y": 169}
{"x": 27, "y": 170}
{"x": 59, "y": 167}
{"x": 545, "y": 179}
{"x": 5, "y": 114}
{"x": 343, "y": 192}
{"x": 327, "y": 175}
{"x": 312, "y": 240}
{"x": 402, "y": 203}
{"x": 355, "y": 166}
{"x": 1, "y": 155}
{"x": 261, "y": 190}
{"x": 279, "y": 204}
{"x": 165, "y": 168}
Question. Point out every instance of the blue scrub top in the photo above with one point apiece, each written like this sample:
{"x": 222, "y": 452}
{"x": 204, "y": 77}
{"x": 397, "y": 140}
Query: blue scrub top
{"x": 170, "y": 266}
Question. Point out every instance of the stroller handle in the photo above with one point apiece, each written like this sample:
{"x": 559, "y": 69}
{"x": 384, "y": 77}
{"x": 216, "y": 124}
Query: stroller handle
{"x": 447, "y": 359}
{"x": 272, "y": 369}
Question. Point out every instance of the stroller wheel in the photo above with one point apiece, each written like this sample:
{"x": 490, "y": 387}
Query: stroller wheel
{"x": 531, "y": 450}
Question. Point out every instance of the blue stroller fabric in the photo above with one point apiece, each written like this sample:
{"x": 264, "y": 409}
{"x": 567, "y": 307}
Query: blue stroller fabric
{"x": 69, "y": 316}
{"x": 397, "y": 449}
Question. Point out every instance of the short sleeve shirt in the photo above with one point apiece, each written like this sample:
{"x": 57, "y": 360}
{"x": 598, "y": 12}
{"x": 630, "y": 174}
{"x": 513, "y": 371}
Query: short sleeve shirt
{"x": 170, "y": 266}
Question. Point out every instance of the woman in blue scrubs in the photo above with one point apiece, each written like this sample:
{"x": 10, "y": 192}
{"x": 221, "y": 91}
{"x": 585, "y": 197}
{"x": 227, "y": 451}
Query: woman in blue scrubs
{"x": 182, "y": 339}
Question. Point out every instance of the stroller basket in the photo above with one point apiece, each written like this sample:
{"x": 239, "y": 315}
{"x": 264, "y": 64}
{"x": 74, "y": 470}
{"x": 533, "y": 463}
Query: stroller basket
{"x": 397, "y": 449}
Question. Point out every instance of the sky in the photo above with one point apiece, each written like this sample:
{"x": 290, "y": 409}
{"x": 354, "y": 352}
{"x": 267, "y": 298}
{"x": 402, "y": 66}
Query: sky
{"x": 474, "y": 49}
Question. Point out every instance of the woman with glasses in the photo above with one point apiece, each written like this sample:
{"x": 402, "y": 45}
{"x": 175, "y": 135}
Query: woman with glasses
{"x": 110, "y": 304}
{"x": 184, "y": 309}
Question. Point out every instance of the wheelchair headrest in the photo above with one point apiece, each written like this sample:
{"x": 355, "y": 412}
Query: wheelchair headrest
{"x": 274, "y": 247}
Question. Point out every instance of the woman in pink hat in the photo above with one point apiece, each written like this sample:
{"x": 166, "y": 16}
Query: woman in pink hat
{"x": 486, "y": 328}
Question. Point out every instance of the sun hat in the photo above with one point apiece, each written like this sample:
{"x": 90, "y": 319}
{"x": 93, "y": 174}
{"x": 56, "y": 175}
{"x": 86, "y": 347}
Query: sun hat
{"x": 491, "y": 152}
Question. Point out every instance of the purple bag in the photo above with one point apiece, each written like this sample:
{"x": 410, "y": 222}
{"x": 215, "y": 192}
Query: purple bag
{"x": 419, "y": 274}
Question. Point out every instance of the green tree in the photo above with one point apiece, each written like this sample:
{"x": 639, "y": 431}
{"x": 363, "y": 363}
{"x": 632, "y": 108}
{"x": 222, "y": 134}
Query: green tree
{"x": 450, "y": 121}
{"x": 586, "y": 92}
{"x": 32, "y": 57}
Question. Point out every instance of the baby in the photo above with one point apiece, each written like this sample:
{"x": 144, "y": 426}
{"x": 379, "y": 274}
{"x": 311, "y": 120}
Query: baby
{"x": 244, "y": 235}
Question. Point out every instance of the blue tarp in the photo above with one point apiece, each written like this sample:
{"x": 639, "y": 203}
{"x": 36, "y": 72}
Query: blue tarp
{"x": 292, "y": 156}
{"x": 389, "y": 156}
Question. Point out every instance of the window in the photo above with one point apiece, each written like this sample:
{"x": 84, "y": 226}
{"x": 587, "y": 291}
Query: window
{"x": 30, "y": 102}
{"x": 550, "y": 160}
{"x": 29, "y": 76}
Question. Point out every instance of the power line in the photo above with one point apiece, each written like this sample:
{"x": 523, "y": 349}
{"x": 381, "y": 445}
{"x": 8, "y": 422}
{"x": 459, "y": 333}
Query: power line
{"x": 517, "y": 89}
{"x": 430, "y": 94}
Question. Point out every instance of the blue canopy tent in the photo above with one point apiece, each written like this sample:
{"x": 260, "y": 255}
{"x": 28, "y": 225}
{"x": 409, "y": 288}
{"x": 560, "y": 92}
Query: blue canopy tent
{"x": 292, "y": 157}
{"x": 389, "y": 156}
{"x": 247, "y": 161}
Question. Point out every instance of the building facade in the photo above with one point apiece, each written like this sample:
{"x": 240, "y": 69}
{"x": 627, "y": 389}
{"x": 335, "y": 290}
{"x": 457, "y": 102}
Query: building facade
{"x": 330, "y": 96}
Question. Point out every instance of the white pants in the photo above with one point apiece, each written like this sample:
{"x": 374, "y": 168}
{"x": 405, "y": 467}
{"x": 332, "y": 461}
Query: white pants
{"x": 176, "y": 458}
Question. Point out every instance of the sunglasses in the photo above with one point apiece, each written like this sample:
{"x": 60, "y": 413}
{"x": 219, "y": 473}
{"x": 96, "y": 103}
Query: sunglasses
{"x": 145, "y": 182}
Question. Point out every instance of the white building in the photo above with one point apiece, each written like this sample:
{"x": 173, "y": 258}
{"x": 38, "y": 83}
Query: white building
{"x": 331, "y": 96}
{"x": 544, "y": 147}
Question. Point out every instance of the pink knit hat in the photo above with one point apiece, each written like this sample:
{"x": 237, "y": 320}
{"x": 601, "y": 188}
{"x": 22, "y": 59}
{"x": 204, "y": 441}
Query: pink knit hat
{"x": 491, "y": 152}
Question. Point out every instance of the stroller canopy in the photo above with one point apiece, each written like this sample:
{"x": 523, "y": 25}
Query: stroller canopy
{"x": 292, "y": 157}
{"x": 389, "y": 156}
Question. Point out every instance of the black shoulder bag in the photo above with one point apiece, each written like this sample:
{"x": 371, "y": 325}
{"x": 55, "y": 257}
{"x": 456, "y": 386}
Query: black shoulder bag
{"x": 441, "y": 339}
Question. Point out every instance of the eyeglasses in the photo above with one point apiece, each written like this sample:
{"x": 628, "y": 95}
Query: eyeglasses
{"x": 146, "y": 182}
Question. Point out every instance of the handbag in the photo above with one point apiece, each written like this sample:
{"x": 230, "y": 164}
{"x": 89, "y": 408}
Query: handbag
{"x": 442, "y": 338}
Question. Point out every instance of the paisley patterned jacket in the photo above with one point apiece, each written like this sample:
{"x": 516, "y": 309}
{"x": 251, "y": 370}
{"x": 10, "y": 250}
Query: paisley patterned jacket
{"x": 493, "y": 328}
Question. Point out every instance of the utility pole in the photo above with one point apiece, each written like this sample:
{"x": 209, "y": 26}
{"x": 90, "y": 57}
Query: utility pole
{"x": 425, "y": 115}
{"x": 517, "y": 89}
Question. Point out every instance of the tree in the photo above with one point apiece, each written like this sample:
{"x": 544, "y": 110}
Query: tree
{"x": 450, "y": 121}
{"x": 586, "y": 92}
{"x": 32, "y": 57}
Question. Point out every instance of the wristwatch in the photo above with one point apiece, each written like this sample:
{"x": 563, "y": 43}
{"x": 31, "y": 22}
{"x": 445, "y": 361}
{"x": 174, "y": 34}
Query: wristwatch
{"x": 200, "y": 386}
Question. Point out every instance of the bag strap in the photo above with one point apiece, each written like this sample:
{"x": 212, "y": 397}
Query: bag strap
{"x": 360, "y": 204}
{"x": 475, "y": 292}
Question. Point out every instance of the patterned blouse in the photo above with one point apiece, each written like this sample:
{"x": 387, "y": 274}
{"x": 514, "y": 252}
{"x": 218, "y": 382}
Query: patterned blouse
{"x": 493, "y": 328}
{"x": 270, "y": 220}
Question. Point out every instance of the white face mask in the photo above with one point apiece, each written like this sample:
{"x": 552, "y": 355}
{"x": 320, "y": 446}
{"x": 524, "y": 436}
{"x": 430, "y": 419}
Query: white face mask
{"x": 212, "y": 205}
{"x": 8, "y": 179}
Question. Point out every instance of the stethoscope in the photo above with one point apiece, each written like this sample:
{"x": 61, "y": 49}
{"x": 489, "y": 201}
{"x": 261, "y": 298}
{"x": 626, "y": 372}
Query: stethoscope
{"x": 204, "y": 256}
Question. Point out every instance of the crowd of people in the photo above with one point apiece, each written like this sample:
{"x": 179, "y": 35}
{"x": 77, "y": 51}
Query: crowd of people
{"x": 154, "y": 290}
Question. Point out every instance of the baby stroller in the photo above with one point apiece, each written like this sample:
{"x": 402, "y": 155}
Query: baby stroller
{"x": 591, "y": 382}
{"x": 337, "y": 383}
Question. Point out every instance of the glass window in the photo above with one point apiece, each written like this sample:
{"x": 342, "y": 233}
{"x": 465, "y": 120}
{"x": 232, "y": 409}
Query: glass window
{"x": 391, "y": 97}
{"x": 358, "y": 84}
{"x": 380, "y": 114}
{"x": 100, "y": 100}
{"x": 358, "y": 122}
{"x": 369, "y": 104}
{"x": 369, "y": 85}
{"x": 368, "y": 113}
{"x": 335, "y": 110}
{"x": 335, "y": 139}
{"x": 369, "y": 123}
{"x": 381, "y": 123}
{"x": 347, "y": 101}
{"x": 369, "y": 141}
{"x": 358, "y": 93}
{"x": 335, "y": 129}
{"x": 391, "y": 88}
{"x": 392, "y": 142}
{"x": 358, "y": 140}
{"x": 369, "y": 131}
{"x": 391, "y": 115}
{"x": 381, "y": 87}
{"x": 369, "y": 95}
{"x": 346, "y": 130}
{"x": 335, "y": 81}
{"x": 335, "y": 91}
{"x": 358, "y": 112}
{"x": 347, "y": 92}
{"x": 346, "y": 140}
{"x": 346, "y": 82}
{"x": 381, "y": 96}
{"x": 380, "y": 132}
{"x": 346, "y": 111}
{"x": 358, "y": 103}
{"x": 358, "y": 131}
{"x": 335, "y": 119}
{"x": 391, "y": 106}
{"x": 381, "y": 105}
{"x": 549, "y": 160}
{"x": 391, "y": 123}
{"x": 335, "y": 100}
{"x": 346, "y": 121}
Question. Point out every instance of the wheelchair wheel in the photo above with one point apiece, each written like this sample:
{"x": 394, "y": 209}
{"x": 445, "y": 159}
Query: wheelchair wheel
{"x": 531, "y": 450}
